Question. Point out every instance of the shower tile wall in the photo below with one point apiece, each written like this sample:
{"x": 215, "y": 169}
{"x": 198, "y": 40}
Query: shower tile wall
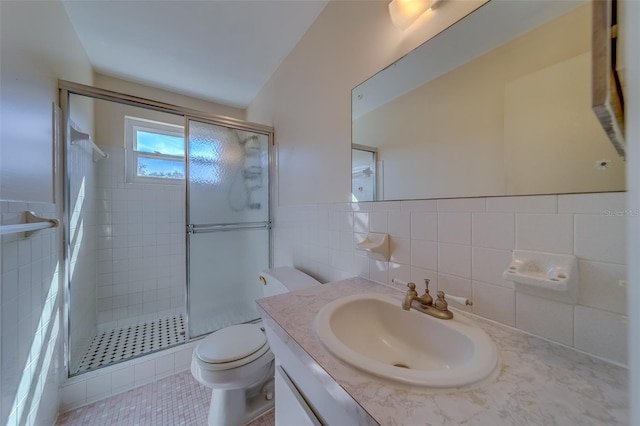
{"x": 81, "y": 172}
{"x": 141, "y": 247}
{"x": 464, "y": 245}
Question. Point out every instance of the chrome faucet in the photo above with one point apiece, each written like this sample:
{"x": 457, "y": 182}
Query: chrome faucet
{"x": 425, "y": 303}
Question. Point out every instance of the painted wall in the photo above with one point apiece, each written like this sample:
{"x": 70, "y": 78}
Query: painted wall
{"x": 131, "y": 88}
{"x": 38, "y": 47}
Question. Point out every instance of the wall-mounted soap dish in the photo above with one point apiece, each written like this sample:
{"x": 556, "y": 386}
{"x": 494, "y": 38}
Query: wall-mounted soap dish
{"x": 548, "y": 275}
{"x": 376, "y": 245}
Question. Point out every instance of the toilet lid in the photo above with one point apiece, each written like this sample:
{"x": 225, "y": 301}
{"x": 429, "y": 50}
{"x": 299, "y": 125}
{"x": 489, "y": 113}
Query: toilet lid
{"x": 231, "y": 343}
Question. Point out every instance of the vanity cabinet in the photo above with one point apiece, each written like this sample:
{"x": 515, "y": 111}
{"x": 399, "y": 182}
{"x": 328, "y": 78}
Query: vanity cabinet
{"x": 301, "y": 400}
{"x": 291, "y": 407}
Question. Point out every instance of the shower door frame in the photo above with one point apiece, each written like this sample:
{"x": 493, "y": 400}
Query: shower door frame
{"x": 67, "y": 88}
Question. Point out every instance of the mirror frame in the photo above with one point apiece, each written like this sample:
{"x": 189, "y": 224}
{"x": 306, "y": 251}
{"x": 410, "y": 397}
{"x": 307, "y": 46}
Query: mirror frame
{"x": 607, "y": 97}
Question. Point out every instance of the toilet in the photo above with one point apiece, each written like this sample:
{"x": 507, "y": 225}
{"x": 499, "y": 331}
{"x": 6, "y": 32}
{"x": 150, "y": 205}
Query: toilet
{"x": 236, "y": 362}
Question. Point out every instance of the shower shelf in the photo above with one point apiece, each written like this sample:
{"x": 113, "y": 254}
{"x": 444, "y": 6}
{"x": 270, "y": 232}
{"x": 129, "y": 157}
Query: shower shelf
{"x": 33, "y": 224}
{"x": 78, "y": 136}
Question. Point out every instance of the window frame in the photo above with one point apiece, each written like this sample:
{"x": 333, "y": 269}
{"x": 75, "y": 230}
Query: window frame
{"x": 134, "y": 124}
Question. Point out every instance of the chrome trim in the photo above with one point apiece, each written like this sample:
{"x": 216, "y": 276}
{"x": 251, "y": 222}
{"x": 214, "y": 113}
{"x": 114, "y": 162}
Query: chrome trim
{"x": 374, "y": 151}
{"x": 197, "y": 229}
{"x": 64, "y": 208}
{"x": 364, "y": 147}
{"x": 187, "y": 242}
{"x": 271, "y": 184}
{"x": 123, "y": 98}
{"x": 32, "y": 224}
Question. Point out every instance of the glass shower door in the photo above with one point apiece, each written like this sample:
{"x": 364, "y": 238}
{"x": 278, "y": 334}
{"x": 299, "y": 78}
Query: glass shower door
{"x": 227, "y": 224}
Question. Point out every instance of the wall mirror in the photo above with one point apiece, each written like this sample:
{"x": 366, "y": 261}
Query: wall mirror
{"x": 498, "y": 104}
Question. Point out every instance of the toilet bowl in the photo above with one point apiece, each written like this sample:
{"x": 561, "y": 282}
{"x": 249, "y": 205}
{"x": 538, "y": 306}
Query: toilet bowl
{"x": 236, "y": 362}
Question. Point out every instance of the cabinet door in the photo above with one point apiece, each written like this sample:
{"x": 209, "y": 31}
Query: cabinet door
{"x": 291, "y": 407}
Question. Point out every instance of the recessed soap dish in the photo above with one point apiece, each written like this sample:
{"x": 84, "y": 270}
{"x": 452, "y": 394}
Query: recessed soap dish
{"x": 376, "y": 245}
{"x": 548, "y": 275}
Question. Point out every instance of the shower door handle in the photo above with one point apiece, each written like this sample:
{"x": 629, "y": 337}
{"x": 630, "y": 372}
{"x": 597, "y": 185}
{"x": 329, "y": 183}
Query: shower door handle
{"x": 197, "y": 229}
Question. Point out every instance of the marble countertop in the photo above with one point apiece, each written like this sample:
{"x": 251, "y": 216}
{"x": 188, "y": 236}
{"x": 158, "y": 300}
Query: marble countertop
{"x": 539, "y": 382}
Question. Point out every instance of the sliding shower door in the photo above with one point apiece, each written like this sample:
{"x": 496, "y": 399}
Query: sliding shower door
{"x": 228, "y": 237}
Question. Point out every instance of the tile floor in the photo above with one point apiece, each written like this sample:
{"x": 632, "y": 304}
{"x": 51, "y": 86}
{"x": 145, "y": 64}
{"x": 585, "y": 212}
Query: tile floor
{"x": 172, "y": 401}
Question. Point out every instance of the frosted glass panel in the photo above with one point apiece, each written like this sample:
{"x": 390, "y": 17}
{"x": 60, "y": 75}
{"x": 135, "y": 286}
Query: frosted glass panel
{"x": 223, "y": 277}
{"x": 228, "y": 175}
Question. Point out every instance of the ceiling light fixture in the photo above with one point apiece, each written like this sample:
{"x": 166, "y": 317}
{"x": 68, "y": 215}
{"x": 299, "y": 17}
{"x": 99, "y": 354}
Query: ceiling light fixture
{"x": 405, "y": 12}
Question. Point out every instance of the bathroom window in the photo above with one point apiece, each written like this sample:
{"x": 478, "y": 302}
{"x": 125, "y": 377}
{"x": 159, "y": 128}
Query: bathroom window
{"x": 155, "y": 151}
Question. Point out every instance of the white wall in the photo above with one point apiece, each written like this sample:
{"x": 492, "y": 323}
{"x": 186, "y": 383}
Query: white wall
{"x": 38, "y": 47}
{"x": 135, "y": 89}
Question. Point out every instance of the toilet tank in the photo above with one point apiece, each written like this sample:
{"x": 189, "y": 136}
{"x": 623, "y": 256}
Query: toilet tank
{"x": 284, "y": 279}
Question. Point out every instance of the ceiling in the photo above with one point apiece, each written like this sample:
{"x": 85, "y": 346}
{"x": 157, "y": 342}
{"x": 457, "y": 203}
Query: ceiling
{"x": 222, "y": 51}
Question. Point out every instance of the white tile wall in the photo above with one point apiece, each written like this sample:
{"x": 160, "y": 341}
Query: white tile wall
{"x": 141, "y": 256}
{"x": 31, "y": 334}
{"x": 454, "y": 228}
{"x": 545, "y": 232}
{"x": 464, "y": 245}
{"x": 547, "y": 318}
{"x": 494, "y": 302}
{"x": 85, "y": 260}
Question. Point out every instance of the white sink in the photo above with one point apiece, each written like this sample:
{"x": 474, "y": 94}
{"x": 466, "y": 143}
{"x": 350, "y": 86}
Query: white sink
{"x": 373, "y": 333}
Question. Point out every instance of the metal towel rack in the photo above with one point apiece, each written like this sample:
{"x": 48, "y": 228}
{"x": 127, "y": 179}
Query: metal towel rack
{"x": 33, "y": 224}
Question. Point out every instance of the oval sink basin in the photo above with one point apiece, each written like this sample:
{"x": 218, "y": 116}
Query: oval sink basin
{"x": 373, "y": 333}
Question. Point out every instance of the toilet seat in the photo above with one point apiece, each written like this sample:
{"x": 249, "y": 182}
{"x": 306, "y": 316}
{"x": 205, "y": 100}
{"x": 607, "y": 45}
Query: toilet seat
{"x": 231, "y": 347}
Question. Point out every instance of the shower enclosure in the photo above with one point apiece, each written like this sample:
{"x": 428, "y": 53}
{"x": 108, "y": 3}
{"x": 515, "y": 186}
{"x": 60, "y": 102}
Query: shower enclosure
{"x": 166, "y": 224}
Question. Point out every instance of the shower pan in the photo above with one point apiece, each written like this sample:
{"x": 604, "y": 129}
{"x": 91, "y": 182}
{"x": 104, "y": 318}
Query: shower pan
{"x": 166, "y": 224}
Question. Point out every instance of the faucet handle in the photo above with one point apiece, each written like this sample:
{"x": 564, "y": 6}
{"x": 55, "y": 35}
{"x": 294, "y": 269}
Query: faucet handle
{"x": 460, "y": 300}
{"x": 426, "y": 285}
{"x": 440, "y": 303}
{"x": 412, "y": 289}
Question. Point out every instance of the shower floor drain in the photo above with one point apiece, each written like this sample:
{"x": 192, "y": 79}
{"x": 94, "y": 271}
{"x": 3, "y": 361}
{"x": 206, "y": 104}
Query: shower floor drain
{"x": 123, "y": 343}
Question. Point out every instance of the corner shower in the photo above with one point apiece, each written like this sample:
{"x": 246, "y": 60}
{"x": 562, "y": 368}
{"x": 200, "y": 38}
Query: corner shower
{"x": 166, "y": 224}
